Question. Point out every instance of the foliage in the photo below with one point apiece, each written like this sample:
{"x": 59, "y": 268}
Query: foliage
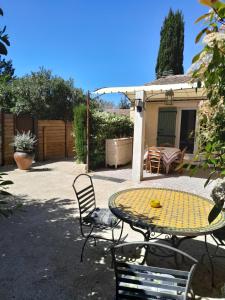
{"x": 106, "y": 126}
{"x": 4, "y": 210}
{"x": 218, "y": 192}
{"x": 42, "y": 95}
{"x": 170, "y": 55}
{"x": 24, "y": 142}
{"x": 6, "y": 71}
{"x": 80, "y": 115}
{"x": 209, "y": 66}
{"x": 6, "y": 78}
{"x": 4, "y": 39}
{"x": 101, "y": 104}
{"x": 124, "y": 103}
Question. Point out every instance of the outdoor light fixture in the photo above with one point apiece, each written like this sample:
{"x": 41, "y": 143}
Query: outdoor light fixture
{"x": 139, "y": 105}
{"x": 169, "y": 97}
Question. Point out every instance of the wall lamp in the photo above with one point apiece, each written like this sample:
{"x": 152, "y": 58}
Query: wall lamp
{"x": 139, "y": 105}
{"x": 169, "y": 95}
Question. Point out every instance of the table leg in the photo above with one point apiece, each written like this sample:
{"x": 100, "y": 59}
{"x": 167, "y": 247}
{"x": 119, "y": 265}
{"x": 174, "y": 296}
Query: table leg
{"x": 210, "y": 262}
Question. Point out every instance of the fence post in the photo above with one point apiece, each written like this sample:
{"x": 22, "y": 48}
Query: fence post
{"x": 43, "y": 140}
{"x": 66, "y": 153}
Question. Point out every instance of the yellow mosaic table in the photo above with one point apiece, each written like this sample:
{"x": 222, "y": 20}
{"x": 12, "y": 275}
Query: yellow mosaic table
{"x": 180, "y": 213}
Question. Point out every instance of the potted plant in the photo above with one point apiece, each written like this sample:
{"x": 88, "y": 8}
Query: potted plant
{"x": 24, "y": 145}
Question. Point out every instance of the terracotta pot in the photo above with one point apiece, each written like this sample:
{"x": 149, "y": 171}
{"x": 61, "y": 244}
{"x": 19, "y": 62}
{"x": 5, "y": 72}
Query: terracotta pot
{"x": 23, "y": 160}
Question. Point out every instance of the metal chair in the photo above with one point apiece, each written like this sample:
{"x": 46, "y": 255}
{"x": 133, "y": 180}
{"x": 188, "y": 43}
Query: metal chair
{"x": 154, "y": 160}
{"x": 135, "y": 280}
{"x": 92, "y": 217}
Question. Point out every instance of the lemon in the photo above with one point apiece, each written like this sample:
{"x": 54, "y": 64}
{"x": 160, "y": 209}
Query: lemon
{"x": 155, "y": 203}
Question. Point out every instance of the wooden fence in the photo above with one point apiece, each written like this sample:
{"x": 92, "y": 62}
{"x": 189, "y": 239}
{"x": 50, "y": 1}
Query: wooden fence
{"x": 55, "y": 139}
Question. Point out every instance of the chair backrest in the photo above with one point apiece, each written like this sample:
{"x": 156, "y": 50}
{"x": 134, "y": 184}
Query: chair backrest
{"x": 135, "y": 280}
{"x": 154, "y": 154}
{"x": 85, "y": 194}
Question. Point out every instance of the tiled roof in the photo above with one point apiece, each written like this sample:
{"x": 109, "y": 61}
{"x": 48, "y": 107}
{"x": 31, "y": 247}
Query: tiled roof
{"x": 118, "y": 111}
{"x": 171, "y": 79}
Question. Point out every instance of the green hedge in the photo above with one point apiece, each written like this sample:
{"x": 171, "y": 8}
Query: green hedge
{"x": 106, "y": 126}
{"x": 79, "y": 127}
{"x": 102, "y": 126}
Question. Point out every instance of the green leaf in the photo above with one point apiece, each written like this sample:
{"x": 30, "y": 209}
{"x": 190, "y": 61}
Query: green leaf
{"x": 202, "y": 17}
{"x": 4, "y": 193}
{"x": 221, "y": 12}
{"x": 5, "y": 39}
{"x": 209, "y": 178}
{"x": 3, "y": 50}
{"x": 208, "y": 147}
{"x": 198, "y": 37}
{"x": 196, "y": 57}
{"x": 6, "y": 182}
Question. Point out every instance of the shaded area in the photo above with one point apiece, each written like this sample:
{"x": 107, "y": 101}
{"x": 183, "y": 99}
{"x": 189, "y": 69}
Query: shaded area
{"x": 40, "y": 255}
{"x": 113, "y": 179}
{"x": 40, "y": 252}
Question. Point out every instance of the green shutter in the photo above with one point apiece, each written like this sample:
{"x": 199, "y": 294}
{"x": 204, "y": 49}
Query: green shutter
{"x": 166, "y": 126}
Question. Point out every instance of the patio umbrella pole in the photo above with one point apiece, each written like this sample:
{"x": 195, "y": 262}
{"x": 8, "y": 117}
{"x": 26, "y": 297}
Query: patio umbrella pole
{"x": 88, "y": 111}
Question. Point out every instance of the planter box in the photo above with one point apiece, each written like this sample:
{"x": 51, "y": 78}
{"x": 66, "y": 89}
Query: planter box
{"x": 118, "y": 151}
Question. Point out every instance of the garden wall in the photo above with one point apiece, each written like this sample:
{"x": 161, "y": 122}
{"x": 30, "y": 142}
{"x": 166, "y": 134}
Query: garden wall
{"x": 55, "y": 140}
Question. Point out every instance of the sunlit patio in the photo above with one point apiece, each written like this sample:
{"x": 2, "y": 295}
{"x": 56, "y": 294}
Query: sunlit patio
{"x": 41, "y": 244}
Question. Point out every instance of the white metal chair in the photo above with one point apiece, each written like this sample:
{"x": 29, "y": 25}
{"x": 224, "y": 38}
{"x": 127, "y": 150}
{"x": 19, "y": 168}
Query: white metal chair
{"x": 144, "y": 282}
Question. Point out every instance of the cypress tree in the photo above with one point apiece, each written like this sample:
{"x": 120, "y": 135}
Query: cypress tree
{"x": 170, "y": 55}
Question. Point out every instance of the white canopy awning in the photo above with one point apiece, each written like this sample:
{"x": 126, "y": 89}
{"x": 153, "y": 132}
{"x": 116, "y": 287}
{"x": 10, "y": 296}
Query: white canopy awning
{"x": 145, "y": 88}
{"x": 181, "y": 90}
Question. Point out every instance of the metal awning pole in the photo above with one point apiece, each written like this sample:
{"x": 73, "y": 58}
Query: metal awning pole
{"x": 88, "y": 142}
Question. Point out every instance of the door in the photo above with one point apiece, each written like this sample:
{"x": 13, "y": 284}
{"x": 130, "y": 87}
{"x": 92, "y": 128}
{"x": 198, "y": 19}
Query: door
{"x": 166, "y": 126}
{"x": 187, "y": 130}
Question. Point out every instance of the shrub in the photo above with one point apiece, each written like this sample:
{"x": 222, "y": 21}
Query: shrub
{"x": 104, "y": 126}
{"x": 24, "y": 142}
{"x": 79, "y": 113}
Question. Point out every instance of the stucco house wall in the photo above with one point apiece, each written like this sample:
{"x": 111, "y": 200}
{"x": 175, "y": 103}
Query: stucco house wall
{"x": 151, "y": 119}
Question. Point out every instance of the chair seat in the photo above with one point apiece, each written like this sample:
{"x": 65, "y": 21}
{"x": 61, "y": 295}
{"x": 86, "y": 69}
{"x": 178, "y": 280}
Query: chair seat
{"x": 101, "y": 216}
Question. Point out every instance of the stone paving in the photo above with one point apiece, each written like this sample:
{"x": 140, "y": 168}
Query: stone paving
{"x": 40, "y": 244}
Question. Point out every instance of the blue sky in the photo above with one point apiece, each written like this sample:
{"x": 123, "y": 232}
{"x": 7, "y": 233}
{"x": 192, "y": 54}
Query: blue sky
{"x": 97, "y": 43}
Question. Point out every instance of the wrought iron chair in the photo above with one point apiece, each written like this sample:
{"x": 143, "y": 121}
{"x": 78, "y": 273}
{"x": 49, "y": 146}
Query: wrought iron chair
{"x": 135, "y": 280}
{"x": 92, "y": 217}
{"x": 154, "y": 160}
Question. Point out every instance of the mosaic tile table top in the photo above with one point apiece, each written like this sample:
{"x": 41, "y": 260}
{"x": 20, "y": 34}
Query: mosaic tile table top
{"x": 181, "y": 213}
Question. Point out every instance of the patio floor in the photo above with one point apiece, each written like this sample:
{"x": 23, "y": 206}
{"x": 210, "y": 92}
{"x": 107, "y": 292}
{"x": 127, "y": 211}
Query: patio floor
{"x": 40, "y": 244}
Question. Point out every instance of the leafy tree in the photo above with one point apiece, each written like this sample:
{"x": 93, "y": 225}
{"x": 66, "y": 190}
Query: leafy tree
{"x": 124, "y": 103}
{"x": 170, "y": 55}
{"x": 42, "y": 95}
{"x": 209, "y": 66}
{"x": 6, "y": 71}
{"x": 4, "y": 39}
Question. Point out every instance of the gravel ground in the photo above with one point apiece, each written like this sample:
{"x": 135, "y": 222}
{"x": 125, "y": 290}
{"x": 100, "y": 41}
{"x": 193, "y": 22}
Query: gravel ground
{"x": 40, "y": 244}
